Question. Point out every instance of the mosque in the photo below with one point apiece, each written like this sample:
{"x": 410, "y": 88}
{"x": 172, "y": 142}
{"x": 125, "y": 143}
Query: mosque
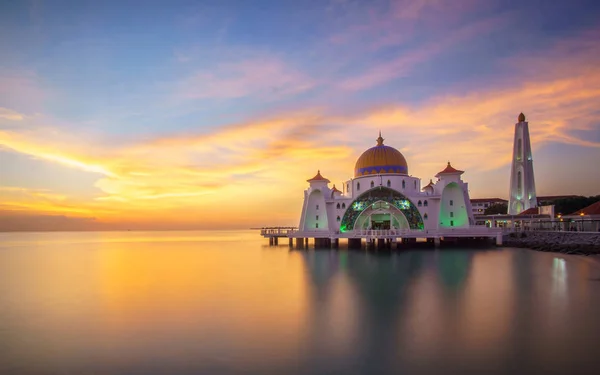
{"x": 384, "y": 199}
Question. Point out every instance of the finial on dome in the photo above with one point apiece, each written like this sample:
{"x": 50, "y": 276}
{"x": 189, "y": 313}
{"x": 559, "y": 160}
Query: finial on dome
{"x": 379, "y": 140}
{"x": 521, "y": 117}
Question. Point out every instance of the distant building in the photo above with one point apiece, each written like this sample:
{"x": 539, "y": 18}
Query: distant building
{"x": 522, "y": 183}
{"x": 480, "y": 204}
{"x": 587, "y": 219}
{"x": 531, "y": 218}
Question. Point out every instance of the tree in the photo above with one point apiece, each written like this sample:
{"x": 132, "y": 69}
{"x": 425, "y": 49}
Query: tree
{"x": 496, "y": 209}
{"x": 567, "y": 206}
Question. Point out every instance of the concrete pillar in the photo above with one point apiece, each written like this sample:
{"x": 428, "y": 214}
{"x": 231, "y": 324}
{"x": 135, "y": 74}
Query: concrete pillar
{"x": 499, "y": 239}
{"x": 275, "y": 240}
{"x": 270, "y": 241}
{"x": 291, "y": 242}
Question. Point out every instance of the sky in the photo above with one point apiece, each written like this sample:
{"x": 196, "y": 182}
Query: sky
{"x": 213, "y": 114}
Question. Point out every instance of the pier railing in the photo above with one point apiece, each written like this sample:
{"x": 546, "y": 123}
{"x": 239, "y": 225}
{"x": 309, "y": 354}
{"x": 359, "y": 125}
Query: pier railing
{"x": 276, "y": 231}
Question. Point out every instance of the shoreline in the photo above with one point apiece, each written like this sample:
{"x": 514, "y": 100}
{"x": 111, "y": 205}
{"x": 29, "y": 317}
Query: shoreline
{"x": 572, "y": 243}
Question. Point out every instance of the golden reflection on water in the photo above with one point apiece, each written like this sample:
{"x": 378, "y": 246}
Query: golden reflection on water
{"x": 222, "y": 301}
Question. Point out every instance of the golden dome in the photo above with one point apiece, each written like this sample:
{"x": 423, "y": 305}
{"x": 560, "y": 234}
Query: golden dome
{"x": 380, "y": 159}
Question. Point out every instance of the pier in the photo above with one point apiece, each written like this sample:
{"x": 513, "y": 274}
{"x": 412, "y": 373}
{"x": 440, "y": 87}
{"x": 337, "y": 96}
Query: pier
{"x": 391, "y": 238}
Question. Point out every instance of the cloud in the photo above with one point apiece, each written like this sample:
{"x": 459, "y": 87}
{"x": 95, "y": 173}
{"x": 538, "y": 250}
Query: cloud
{"x": 22, "y": 90}
{"x": 238, "y": 174}
{"x": 262, "y": 76}
{"x": 401, "y": 65}
{"x": 8, "y": 114}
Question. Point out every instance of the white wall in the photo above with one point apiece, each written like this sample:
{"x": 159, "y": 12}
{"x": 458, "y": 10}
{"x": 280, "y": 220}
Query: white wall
{"x": 315, "y": 206}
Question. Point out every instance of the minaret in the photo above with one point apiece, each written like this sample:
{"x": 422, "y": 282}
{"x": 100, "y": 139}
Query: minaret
{"x": 522, "y": 183}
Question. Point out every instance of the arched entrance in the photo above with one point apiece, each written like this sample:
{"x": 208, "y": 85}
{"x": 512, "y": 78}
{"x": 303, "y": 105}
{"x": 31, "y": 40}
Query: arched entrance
{"x": 398, "y": 205}
{"x": 381, "y": 215}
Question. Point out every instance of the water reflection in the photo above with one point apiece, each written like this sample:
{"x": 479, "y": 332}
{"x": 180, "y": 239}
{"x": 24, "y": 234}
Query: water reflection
{"x": 188, "y": 304}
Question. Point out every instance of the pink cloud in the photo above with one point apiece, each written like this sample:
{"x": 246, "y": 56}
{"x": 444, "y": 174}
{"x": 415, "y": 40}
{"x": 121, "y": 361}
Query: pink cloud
{"x": 403, "y": 64}
{"x": 21, "y": 90}
{"x": 263, "y": 76}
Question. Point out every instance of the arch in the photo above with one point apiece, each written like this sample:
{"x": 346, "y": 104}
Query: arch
{"x": 415, "y": 184}
{"x": 398, "y": 200}
{"x": 419, "y": 203}
{"x": 425, "y": 203}
{"x": 372, "y": 184}
{"x": 519, "y": 149}
{"x": 389, "y": 183}
{"x": 343, "y": 205}
{"x": 357, "y": 186}
{"x": 338, "y": 206}
{"x": 403, "y": 184}
{"x": 370, "y": 216}
{"x": 425, "y": 217}
{"x": 338, "y": 218}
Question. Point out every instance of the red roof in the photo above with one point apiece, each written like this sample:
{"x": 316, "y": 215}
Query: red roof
{"x": 449, "y": 170}
{"x": 530, "y": 211}
{"x": 592, "y": 209}
{"x": 429, "y": 185}
{"x": 318, "y": 177}
{"x": 334, "y": 190}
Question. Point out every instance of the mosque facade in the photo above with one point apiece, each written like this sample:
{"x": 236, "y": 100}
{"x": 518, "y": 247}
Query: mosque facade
{"x": 383, "y": 196}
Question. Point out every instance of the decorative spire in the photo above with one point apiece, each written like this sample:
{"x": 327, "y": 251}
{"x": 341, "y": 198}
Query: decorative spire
{"x": 379, "y": 140}
{"x": 521, "y": 117}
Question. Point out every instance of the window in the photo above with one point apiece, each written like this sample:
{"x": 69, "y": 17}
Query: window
{"x": 338, "y": 218}
{"x": 372, "y": 184}
{"x": 451, "y": 214}
{"x": 451, "y": 202}
{"x": 317, "y": 217}
{"x": 415, "y": 184}
{"x": 389, "y": 183}
{"x": 316, "y": 225}
{"x": 357, "y": 186}
{"x": 519, "y": 183}
{"x": 419, "y": 204}
{"x": 403, "y": 184}
{"x": 343, "y": 205}
{"x": 451, "y": 223}
{"x": 338, "y": 206}
{"x": 425, "y": 216}
{"x": 347, "y": 187}
{"x": 519, "y": 149}
{"x": 425, "y": 203}
{"x": 485, "y": 205}
{"x": 317, "y": 206}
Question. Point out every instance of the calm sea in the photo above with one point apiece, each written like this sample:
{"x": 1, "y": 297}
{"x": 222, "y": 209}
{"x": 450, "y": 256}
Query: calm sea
{"x": 227, "y": 303}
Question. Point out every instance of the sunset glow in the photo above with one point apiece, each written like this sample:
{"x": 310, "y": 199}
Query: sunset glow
{"x": 118, "y": 116}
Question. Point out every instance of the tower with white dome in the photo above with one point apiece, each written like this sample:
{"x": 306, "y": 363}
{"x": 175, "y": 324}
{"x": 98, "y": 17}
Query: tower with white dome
{"x": 382, "y": 196}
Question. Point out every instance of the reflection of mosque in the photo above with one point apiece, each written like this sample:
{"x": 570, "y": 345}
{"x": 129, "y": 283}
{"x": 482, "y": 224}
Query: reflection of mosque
{"x": 374, "y": 303}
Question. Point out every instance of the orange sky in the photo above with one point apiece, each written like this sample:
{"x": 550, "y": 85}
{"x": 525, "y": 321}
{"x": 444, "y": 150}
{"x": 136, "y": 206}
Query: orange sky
{"x": 232, "y": 146}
